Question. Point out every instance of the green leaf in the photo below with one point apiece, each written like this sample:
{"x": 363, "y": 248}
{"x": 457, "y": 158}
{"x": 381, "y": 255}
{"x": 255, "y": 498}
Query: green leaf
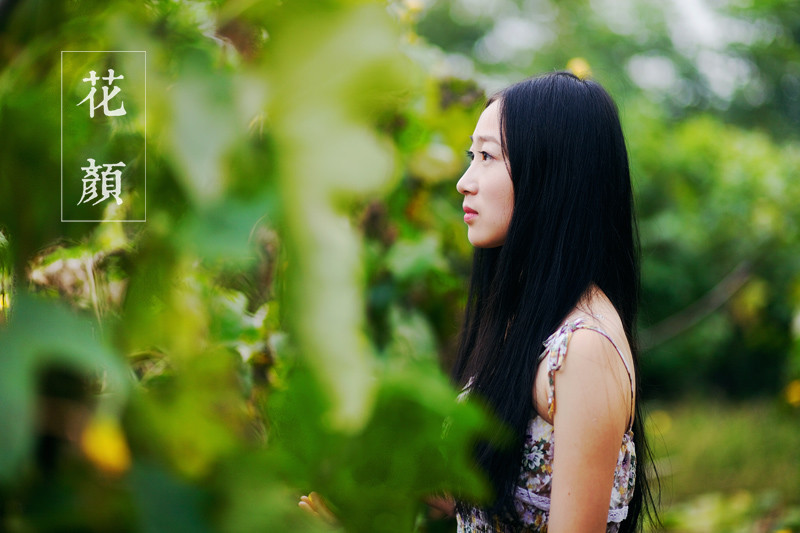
{"x": 418, "y": 441}
{"x": 42, "y": 333}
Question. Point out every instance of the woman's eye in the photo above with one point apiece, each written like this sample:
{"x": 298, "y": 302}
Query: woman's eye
{"x": 485, "y": 156}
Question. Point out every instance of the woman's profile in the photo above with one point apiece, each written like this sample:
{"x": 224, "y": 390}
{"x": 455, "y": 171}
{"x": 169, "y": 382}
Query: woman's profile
{"x": 548, "y": 339}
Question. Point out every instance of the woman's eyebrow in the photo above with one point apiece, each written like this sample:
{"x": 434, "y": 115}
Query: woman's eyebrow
{"x": 485, "y": 139}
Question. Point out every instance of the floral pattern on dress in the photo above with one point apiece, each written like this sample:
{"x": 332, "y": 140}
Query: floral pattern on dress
{"x": 536, "y": 471}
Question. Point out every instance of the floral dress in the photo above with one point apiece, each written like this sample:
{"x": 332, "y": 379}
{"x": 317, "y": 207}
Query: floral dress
{"x": 532, "y": 499}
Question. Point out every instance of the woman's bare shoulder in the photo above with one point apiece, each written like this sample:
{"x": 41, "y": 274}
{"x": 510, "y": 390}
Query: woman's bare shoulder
{"x": 598, "y": 364}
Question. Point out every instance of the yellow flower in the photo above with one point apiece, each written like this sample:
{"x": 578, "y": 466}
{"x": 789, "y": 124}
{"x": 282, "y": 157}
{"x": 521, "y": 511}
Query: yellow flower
{"x": 580, "y": 67}
{"x": 103, "y": 443}
{"x": 793, "y": 393}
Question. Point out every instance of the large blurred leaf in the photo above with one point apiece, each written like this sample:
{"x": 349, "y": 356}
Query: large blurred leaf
{"x": 417, "y": 441}
{"x": 40, "y": 334}
{"x": 335, "y": 71}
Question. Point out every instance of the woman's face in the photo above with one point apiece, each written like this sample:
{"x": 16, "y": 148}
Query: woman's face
{"x": 486, "y": 185}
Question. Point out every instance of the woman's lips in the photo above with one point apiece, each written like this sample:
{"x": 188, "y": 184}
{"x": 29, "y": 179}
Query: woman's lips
{"x": 469, "y": 214}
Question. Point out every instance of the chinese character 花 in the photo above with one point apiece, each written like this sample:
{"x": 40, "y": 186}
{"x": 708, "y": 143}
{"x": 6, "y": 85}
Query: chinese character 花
{"x": 106, "y": 96}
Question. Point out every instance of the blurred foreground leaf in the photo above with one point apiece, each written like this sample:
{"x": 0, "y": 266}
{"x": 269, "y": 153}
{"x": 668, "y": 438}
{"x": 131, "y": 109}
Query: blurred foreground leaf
{"x": 43, "y": 334}
{"x": 417, "y": 442}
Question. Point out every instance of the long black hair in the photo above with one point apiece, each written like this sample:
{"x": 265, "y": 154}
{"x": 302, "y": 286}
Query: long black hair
{"x": 572, "y": 227}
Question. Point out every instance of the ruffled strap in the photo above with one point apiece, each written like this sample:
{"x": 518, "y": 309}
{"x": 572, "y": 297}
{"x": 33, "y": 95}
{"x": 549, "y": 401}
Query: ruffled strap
{"x": 555, "y": 349}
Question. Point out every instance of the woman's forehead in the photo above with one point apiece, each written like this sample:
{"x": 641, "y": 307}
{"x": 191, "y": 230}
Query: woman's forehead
{"x": 488, "y": 127}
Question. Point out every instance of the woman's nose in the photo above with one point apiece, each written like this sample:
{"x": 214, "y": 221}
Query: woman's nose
{"x": 466, "y": 185}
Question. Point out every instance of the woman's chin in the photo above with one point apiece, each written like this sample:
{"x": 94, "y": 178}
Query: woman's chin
{"x": 478, "y": 242}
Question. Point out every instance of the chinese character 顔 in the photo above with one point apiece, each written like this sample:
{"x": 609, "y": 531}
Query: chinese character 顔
{"x": 106, "y": 96}
{"x": 110, "y": 182}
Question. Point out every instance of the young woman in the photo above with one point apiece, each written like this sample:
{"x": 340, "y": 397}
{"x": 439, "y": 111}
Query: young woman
{"x": 549, "y": 334}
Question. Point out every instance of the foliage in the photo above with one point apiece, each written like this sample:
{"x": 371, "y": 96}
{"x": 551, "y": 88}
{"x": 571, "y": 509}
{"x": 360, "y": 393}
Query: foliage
{"x": 719, "y": 473}
{"x": 711, "y": 447}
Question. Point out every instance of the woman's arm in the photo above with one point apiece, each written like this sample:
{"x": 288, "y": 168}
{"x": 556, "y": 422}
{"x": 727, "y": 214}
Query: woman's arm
{"x": 593, "y": 398}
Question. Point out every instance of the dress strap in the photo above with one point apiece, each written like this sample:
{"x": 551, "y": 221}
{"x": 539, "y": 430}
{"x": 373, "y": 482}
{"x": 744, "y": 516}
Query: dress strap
{"x": 555, "y": 351}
